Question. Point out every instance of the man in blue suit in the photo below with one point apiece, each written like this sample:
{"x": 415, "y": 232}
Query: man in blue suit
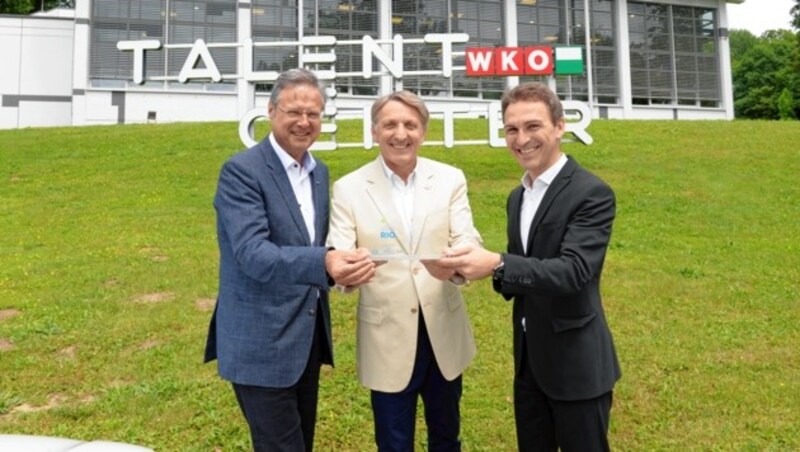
{"x": 271, "y": 331}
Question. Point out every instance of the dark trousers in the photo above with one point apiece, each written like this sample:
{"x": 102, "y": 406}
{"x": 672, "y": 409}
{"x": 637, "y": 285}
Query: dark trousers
{"x": 283, "y": 419}
{"x": 395, "y": 413}
{"x": 545, "y": 424}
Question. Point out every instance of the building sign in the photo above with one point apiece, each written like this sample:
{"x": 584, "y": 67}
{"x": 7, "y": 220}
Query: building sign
{"x": 317, "y": 54}
{"x": 530, "y": 60}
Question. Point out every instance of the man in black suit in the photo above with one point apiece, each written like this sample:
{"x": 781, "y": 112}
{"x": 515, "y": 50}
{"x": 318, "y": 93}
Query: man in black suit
{"x": 559, "y": 226}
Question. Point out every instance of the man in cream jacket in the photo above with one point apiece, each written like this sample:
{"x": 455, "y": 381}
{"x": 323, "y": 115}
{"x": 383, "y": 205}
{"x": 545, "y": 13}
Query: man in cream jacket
{"x": 413, "y": 336}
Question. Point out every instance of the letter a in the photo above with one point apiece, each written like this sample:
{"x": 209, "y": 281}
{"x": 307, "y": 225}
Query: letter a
{"x": 199, "y": 50}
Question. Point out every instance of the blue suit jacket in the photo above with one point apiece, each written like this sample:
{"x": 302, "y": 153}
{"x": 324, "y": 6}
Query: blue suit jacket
{"x": 270, "y": 275}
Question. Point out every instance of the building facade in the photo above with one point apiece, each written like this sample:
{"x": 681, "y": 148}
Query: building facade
{"x": 654, "y": 59}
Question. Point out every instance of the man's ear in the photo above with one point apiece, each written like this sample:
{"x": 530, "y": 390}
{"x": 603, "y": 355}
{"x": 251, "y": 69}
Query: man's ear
{"x": 561, "y": 127}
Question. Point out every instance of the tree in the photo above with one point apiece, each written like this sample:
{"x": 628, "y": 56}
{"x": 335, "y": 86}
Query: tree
{"x": 795, "y": 12}
{"x": 741, "y": 41}
{"x": 31, "y": 6}
{"x": 762, "y": 73}
{"x": 786, "y": 105}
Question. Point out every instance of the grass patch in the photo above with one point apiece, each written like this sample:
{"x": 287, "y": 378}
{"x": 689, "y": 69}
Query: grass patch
{"x": 108, "y": 261}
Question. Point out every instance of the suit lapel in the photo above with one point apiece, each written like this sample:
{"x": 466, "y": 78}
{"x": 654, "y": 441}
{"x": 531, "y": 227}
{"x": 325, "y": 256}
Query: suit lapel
{"x": 514, "y": 206}
{"x": 422, "y": 193}
{"x": 319, "y": 187}
{"x": 281, "y": 179}
{"x": 562, "y": 180}
{"x": 380, "y": 193}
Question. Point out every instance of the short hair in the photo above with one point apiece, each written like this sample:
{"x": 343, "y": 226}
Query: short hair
{"x": 534, "y": 92}
{"x": 406, "y": 97}
{"x": 295, "y": 77}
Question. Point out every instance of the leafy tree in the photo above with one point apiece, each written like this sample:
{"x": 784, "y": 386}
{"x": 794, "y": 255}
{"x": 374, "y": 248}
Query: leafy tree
{"x": 786, "y": 105}
{"x": 762, "y": 72}
{"x": 795, "y": 12}
{"x": 31, "y": 6}
{"x": 741, "y": 41}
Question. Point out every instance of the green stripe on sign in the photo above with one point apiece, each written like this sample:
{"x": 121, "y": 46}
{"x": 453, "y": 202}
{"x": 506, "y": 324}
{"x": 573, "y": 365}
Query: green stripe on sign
{"x": 569, "y": 60}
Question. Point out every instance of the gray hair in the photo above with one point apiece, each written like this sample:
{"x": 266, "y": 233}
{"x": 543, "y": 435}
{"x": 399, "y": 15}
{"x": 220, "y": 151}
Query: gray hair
{"x": 407, "y": 98}
{"x": 296, "y": 77}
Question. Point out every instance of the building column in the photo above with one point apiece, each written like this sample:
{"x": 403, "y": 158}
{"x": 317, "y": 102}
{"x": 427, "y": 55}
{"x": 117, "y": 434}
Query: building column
{"x": 725, "y": 69}
{"x": 510, "y": 34}
{"x": 622, "y": 39}
{"x": 385, "y": 33}
{"x": 81, "y": 48}
{"x": 245, "y": 91}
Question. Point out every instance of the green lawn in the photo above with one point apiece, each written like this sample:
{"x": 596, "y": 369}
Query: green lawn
{"x": 108, "y": 269}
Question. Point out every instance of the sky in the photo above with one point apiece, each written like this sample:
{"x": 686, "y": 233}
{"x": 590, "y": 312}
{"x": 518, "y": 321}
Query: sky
{"x": 758, "y": 16}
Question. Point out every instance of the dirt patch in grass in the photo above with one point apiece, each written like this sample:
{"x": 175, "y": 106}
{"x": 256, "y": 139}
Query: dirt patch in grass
{"x": 205, "y": 304}
{"x": 148, "y": 344}
{"x": 8, "y": 313}
{"x": 67, "y": 352}
{"x": 6, "y": 345}
{"x": 53, "y": 401}
{"x": 157, "y": 297}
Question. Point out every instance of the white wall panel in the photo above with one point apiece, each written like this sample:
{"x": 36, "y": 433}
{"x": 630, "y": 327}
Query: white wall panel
{"x": 46, "y": 64}
{"x": 45, "y": 114}
{"x": 195, "y": 107}
{"x": 10, "y": 39}
{"x": 99, "y": 109}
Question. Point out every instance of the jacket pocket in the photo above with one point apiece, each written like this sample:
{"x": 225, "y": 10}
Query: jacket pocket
{"x": 367, "y": 314}
{"x": 570, "y": 323}
{"x": 455, "y": 301}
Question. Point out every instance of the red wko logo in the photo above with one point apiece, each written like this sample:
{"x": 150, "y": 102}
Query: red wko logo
{"x": 529, "y": 60}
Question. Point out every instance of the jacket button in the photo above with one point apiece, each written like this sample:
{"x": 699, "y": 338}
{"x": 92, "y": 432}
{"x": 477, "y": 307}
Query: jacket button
{"x": 312, "y": 311}
{"x": 413, "y": 310}
{"x": 416, "y": 270}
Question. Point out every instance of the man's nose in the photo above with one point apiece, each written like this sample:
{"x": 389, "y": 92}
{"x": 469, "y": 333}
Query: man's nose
{"x": 401, "y": 131}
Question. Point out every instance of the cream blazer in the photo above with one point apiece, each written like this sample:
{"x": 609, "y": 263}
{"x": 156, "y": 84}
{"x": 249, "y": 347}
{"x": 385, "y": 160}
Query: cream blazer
{"x": 363, "y": 215}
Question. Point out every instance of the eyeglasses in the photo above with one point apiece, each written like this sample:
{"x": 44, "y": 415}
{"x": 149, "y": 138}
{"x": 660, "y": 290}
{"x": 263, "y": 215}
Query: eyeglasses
{"x": 297, "y": 114}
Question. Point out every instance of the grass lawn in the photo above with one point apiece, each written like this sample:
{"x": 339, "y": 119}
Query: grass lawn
{"x": 108, "y": 273}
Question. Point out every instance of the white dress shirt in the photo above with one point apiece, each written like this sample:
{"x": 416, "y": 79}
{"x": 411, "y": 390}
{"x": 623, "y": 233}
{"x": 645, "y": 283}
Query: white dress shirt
{"x": 402, "y": 196}
{"x": 533, "y": 195}
{"x": 300, "y": 178}
{"x": 532, "y": 198}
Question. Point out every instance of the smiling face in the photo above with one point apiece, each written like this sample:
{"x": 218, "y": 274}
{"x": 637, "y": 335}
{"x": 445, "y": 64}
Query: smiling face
{"x": 296, "y": 119}
{"x": 399, "y": 132}
{"x": 531, "y": 136}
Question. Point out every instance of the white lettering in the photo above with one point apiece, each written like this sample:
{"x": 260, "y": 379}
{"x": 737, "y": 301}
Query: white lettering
{"x": 249, "y": 74}
{"x": 138, "y": 48}
{"x": 309, "y": 58}
{"x": 199, "y": 51}
{"x": 507, "y": 63}
{"x": 480, "y": 61}
{"x": 447, "y": 40}
{"x": 371, "y": 48}
{"x": 476, "y": 61}
{"x": 538, "y": 60}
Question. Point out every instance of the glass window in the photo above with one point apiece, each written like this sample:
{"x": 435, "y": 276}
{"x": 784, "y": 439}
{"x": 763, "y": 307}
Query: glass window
{"x": 124, "y": 20}
{"x": 674, "y": 56}
{"x": 564, "y": 23}
{"x": 347, "y": 21}
{"x": 170, "y": 22}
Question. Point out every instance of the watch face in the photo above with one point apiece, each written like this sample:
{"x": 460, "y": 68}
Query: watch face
{"x": 499, "y": 272}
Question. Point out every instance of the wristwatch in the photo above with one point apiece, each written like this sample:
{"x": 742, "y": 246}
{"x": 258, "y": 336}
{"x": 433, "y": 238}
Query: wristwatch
{"x": 499, "y": 269}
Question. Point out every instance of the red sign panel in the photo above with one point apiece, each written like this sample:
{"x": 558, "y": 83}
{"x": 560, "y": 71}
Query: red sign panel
{"x": 530, "y": 60}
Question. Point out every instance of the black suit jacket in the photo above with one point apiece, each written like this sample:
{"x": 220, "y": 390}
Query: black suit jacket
{"x": 556, "y": 286}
